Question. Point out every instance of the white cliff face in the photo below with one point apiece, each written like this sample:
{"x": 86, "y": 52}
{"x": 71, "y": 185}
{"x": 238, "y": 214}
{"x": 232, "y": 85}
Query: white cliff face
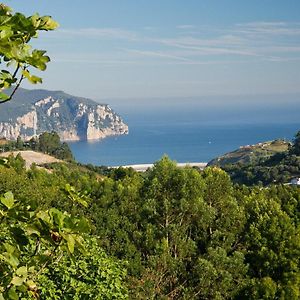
{"x": 102, "y": 114}
{"x": 71, "y": 119}
{"x": 69, "y": 135}
{"x": 43, "y": 101}
{"x": 53, "y": 106}
{"x": 11, "y": 131}
{"x": 28, "y": 120}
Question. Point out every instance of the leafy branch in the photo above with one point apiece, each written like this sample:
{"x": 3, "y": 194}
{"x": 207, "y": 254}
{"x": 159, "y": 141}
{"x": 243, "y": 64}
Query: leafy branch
{"x": 16, "y": 32}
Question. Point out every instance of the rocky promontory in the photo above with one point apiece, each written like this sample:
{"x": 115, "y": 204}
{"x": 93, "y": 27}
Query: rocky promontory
{"x": 32, "y": 112}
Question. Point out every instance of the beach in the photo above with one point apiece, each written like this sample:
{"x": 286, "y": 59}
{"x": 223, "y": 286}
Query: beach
{"x": 145, "y": 167}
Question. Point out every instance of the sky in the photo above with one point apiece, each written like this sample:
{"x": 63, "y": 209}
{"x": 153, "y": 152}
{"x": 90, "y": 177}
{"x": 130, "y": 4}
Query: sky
{"x": 136, "y": 49}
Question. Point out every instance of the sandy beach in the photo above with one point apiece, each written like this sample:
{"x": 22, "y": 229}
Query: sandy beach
{"x": 144, "y": 167}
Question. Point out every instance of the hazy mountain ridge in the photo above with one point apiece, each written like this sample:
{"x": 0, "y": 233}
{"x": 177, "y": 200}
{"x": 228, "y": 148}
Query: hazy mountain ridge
{"x": 32, "y": 112}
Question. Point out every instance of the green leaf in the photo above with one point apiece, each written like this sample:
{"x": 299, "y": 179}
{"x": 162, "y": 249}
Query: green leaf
{"x": 36, "y": 20}
{"x": 32, "y": 230}
{"x": 26, "y": 74}
{"x": 80, "y": 244}
{"x": 44, "y": 216}
{"x": 12, "y": 294}
{"x": 11, "y": 259}
{"x": 8, "y": 200}
{"x": 31, "y": 284}
{"x": 70, "y": 242}
{"x": 22, "y": 271}
{"x": 5, "y": 32}
{"x": 47, "y": 23}
{"x": 1, "y": 296}
{"x": 35, "y": 79}
{"x": 83, "y": 226}
{"x": 17, "y": 281}
{"x": 9, "y": 248}
{"x": 58, "y": 217}
{"x": 76, "y": 196}
{"x": 22, "y": 288}
{"x": 31, "y": 78}
{"x": 3, "y": 97}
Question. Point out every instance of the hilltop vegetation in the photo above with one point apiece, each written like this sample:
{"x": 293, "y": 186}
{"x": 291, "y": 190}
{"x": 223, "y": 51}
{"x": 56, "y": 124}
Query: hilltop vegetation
{"x": 251, "y": 154}
{"x": 265, "y": 163}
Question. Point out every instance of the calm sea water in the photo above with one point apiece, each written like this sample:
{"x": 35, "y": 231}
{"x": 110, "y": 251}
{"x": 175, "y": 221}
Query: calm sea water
{"x": 192, "y": 129}
{"x": 184, "y": 142}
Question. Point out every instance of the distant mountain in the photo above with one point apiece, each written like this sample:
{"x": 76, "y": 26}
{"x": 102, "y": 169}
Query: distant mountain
{"x": 32, "y": 112}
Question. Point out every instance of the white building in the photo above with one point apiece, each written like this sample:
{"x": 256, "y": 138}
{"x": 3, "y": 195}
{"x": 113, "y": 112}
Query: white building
{"x": 295, "y": 181}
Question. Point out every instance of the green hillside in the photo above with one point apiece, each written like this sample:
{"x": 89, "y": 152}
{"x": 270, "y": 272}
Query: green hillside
{"x": 251, "y": 153}
{"x": 264, "y": 163}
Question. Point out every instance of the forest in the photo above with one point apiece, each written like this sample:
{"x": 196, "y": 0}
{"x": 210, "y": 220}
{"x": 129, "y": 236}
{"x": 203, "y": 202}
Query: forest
{"x": 69, "y": 231}
{"x": 171, "y": 233}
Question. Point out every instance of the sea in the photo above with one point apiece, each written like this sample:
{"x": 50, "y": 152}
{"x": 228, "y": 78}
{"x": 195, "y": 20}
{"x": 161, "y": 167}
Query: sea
{"x": 191, "y": 129}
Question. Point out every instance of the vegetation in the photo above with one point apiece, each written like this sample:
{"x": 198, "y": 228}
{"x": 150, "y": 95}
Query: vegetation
{"x": 47, "y": 142}
{"x": 295, "y": 149}
{"x": 251, "y": 154}
{"x": 280, "y": 167}
{"x": 16, "y": 53}
{"x": 170, "y": 233}
{"x": 46, "y": 252}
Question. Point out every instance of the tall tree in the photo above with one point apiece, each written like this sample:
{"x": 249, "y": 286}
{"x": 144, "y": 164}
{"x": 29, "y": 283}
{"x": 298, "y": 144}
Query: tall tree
{"x": 273, "y": 246}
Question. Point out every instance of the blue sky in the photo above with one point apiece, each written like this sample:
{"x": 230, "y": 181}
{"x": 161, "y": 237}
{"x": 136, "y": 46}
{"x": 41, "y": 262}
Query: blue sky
{"x": 170, "y": 48}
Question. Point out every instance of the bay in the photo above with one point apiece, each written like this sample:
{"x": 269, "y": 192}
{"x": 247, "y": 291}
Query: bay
{"x": 191, "y": 129}
{"x": 189, "y": 142}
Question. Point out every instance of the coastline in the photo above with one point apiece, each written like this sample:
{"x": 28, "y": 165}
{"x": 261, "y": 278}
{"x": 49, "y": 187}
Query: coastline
{"x": 145, "y": 167}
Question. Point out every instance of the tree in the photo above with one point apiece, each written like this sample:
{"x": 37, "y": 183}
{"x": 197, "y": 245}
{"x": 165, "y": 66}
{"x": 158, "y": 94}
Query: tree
{"x": 16, "y": 53}
{"x": 49, "y": 142}
{"x": 273, "y": 246}
{"x": 295, "y": 149}
{"x": 173, "y": 199}
{"x": 19, "y": 143}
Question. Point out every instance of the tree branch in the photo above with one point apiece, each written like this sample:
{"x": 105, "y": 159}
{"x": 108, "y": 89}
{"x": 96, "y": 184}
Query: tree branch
{"x": 13, "y": 92}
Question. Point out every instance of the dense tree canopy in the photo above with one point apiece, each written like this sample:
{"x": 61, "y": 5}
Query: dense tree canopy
{"x": 176, "y": 232}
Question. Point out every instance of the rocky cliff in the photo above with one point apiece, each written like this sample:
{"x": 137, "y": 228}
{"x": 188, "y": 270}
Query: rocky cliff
{"x": 73, "y": 118}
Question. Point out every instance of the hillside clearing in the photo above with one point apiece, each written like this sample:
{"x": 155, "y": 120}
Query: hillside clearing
{"x": 31, "y": 157}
